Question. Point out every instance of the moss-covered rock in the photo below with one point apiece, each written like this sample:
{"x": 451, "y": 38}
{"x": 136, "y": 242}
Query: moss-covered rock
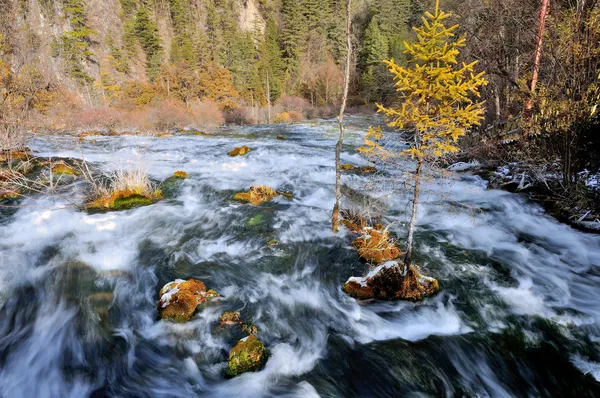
{"x": 240, "y": 151}
{"x": 255, "y": 220}
{"x": 131, "y": 201}
{"x": 272, "y": 242}
{"x": 247, "y": 356}
{"x": 7, "y": 194}
{"x": 230, "y": 318}
{"x": 249, "y": 328}
{"x": 123, "y": 200}
{"x": 260, "y": 194}
{"x": 180, "y": 298}
{"x": 63, "y": 169}
{"x": 388, "y": 281}
{"x": 357, "y": 169}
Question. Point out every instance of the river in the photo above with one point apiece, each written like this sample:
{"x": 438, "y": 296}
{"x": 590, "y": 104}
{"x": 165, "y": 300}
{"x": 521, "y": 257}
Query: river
{"x": 518, "y": 313}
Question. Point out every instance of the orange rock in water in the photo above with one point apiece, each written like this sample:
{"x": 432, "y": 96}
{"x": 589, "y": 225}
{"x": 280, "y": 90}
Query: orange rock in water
{"x": 260, "y": 194}
{"x": 388, "y": 281}
{"x": 240, "y": 151}
{"x": 180, "y": 174}
{"x": 179, "y": 299}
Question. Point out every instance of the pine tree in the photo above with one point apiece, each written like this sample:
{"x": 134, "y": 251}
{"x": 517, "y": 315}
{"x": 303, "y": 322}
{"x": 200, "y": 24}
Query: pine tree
{"x": 374, "y": 47}
{"x": 292, "y": 34}
{"x": 147, "y": 33}
{"x": 74, "y": 45}
{"x": 436, "y": 100}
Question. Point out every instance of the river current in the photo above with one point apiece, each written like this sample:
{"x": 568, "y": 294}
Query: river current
{"x": 518, "y": 313}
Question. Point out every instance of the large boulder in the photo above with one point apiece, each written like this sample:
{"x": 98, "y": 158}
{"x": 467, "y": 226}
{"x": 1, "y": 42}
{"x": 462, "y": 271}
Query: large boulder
{"x": 180, "y": 298}
{"x": 248, "y": 355}
{"x": 389, "y": 281}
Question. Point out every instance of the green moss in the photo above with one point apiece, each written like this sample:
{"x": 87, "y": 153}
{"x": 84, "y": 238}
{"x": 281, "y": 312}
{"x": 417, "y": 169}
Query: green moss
{"x": 247, "y": 356}
{"x": 63, "y": 169}
{"x": 129, "y": 202}
{"x": 256, "y": 220}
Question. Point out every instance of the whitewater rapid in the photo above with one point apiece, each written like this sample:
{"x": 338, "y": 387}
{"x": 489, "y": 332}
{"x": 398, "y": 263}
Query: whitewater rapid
{"x": 519, "y": 301}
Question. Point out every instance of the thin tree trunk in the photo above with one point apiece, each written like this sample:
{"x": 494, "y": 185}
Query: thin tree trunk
{"x": 413, "y": 216}
{"x": 268, "y": 100}
{"x": 538, "y": 53}
{"x": 335, "y": 217}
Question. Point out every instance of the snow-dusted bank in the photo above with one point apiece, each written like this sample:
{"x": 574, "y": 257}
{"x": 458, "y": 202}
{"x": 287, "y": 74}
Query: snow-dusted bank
{"x": 519, "y": 303}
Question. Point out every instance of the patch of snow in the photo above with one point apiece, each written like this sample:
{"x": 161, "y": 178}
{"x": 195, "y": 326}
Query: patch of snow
{"x": 166, "y": 298}
{"x": 388, "y": 264}
{"x": 361, "y": 281}
{"x": 462, "y": 166}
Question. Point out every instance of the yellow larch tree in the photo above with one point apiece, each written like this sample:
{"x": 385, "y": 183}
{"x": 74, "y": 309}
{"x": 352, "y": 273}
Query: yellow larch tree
{"x": 438, "y": 100}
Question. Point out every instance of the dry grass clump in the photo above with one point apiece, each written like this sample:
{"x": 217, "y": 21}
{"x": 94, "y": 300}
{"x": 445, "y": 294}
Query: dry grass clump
{"x": 260, "y": 194}
{"x": 124, "y": 189}
{"x": 376, "y": 245}
{"x": 240, "y": 151}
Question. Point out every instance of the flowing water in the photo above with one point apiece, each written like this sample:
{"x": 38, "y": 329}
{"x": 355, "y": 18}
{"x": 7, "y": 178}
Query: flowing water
{"x": 518, "y": 315}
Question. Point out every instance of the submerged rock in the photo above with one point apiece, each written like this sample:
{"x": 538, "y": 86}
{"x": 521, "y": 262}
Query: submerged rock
{"x": 63, "y": 169}
{"x": 260, "y": 194}
{"x": 376, "y": 246}
{"x": 388, "y": 281}
{"x": 180, "y": 298}
{"x": 240, "y": 151}
{"x": 230, "y": 318}
{"x": 247, "y": 356}
{"x": 7, "y": 194}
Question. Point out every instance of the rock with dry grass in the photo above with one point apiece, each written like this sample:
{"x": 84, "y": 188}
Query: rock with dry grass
{"x": 240, "y": 151}
{"x": 376, "y": 245}
{"x": 179, "y": 299}
{"x": 260, "y": 194}
{"x": 125, "y": 190}
{"x": 391, "y": 281}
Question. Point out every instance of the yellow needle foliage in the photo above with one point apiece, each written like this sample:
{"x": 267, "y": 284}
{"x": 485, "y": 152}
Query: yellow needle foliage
{"x": 435, "y": 91}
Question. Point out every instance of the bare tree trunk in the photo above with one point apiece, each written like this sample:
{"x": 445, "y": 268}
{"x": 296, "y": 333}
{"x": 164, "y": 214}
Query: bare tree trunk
{"x": 538, "y": 53}
{"x": 335, "y": 219}
{"x": 413, "y": 216}
{"x": 268, "y": 100}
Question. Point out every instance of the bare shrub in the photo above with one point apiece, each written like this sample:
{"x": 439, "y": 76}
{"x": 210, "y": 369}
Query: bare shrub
{"x": 206, "y": 114}
{"x": 290, "y": 103}
{"x": 168, "y": 115}
{"x": 98, "y": 119}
